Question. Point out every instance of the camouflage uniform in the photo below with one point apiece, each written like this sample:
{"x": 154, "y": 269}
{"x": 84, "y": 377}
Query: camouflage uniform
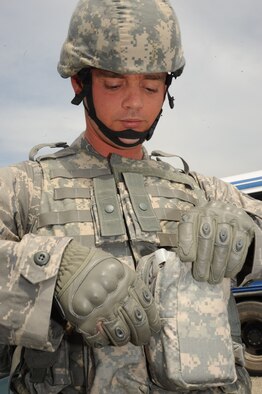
{"x": 128, "y": 207}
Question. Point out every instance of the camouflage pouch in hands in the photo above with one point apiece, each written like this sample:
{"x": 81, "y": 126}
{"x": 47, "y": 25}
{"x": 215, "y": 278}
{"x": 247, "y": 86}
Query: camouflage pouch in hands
{"x": 194, "y": 348}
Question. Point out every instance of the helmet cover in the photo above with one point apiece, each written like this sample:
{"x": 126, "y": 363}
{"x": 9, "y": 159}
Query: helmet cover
{"x": 123, "y": 36}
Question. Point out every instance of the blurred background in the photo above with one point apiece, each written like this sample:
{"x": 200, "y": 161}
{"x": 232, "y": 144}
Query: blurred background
{"x": 216, "y": 122}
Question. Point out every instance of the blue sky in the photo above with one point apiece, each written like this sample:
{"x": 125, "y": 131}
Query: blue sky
{"x": 216, "y": 124}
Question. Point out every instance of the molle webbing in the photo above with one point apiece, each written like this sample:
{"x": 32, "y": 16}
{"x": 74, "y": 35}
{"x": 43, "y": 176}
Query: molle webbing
{"x": 110, "y": 217}
{"x": 162, "y": 191}
{"x": 78, "y": 173}
{"x": 63, "y": 217}
{"x": 151, "y": 202}
{"x": 148, "y": 168}
{"x": 69, "y": 192}
{"x": 168, "y": 240}
{"x": 141, "y": 202}
{"x": 73, "y": 215}
{"x": 169, "y": 214}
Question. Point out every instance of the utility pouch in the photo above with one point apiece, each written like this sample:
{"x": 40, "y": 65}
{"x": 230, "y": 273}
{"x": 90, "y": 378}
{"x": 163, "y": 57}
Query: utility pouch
{"x": 194, "y": 349}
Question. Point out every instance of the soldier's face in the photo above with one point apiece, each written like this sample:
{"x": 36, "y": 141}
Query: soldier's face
{"x": 128, "y": 101}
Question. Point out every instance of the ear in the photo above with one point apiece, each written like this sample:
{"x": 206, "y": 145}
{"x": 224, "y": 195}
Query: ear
{"x": 76, "y": 84}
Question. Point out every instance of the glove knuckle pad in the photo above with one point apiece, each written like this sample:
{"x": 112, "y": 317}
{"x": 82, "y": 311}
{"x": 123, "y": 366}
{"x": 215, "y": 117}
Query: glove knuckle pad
{"x": 96, "y": 285}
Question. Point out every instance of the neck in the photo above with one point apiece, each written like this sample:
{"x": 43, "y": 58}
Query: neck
{"x": 104, "y": 148}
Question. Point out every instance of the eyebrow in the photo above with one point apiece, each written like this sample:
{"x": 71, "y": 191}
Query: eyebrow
{"x": 111, "y": 74}
{"x": 157, "y": 76}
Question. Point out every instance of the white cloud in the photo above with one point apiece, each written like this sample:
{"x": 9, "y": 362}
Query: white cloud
{"x": 35, "y": 125}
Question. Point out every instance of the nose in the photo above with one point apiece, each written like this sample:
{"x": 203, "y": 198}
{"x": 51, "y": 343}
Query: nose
{"x": 133, "y": 98}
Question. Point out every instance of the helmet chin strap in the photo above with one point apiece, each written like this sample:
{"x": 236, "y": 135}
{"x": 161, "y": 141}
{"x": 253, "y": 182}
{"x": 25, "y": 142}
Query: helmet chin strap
{"x": 114, "y": 136}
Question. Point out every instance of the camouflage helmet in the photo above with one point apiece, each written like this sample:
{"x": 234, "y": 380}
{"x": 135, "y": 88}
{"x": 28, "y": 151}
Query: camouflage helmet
{"x": 123, "y": 36}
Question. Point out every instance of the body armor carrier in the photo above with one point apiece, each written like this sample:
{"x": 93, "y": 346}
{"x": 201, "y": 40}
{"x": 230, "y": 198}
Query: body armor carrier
{"x": 114, "y": 203}
{"x": 127, "y": 207}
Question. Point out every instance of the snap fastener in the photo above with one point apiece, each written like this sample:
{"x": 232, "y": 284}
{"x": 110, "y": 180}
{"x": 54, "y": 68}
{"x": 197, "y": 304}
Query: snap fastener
{"x": 223, "y": 235}
{"x": 206, "y": 229}
{"x": 143, "y": 206}
{"x": 119, "y": 333}
{"x": 138, "y": 315}
{"x": 239, "y": 244}
{"x": 109, "y": 208}
{"x": 41, "y": 258}
{"x": 147, "y": 296}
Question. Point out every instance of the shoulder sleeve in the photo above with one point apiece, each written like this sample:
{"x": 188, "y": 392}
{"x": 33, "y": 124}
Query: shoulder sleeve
{"x": 216, "y": 189}
{"x": 29, "y": 263}
{"x": 20, "y": 193}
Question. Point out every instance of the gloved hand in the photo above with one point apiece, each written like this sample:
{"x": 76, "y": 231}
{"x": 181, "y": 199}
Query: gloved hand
{"x": 104, "y": 299}
{"x": 215, "y": 237}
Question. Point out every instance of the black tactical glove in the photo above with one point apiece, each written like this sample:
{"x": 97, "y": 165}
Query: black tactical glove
{"x": 104, "y": 299}
{"x": 215, "y": 237}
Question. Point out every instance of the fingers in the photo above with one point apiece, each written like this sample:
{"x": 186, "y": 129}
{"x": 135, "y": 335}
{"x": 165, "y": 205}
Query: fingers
{"x": 215, "y": 238}
{"x": 147, "y": 301}
{"x": 131, "y": 320}
{"x": 187, "y": 236}
{"x": 117, "y": 330}
{"x": 222, "y": 249}
{"x": 136, "y": 318}
{"x": 240, "y": 244}
{"x": 205, "y": 248}
{"x": 100, "y": 339}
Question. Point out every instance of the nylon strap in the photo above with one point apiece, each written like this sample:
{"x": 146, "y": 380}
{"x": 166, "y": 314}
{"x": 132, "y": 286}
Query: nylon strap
{"x": 162, "y": 191}
{"x": 160, "y": 153}
{"x": 168, "y": 214}
{"x": 78, "y": 173}
{"x": 85, "y": 240}
{"x": 70, "y": 192}
{"x": 148, "y": 168}
{"x": 233, "y": 318}
{"x": 141, "y": 202}
{"x": 33, "y": 152}
{"x": 110, "y": 217}
{"x": 57, "y": 218}
{"x": 168, "y": 240}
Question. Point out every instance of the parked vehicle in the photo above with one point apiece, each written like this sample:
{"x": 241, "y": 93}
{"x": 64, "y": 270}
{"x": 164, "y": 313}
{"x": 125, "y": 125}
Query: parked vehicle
{"x": 249, "y": 298}
{"x": 4, "y": 386}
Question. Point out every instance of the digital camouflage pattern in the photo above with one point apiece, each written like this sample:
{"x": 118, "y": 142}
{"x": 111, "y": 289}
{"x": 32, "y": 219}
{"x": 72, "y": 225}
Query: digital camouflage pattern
{"x": 134, "y": 36}
{"x": 45, "y": 204}
{"x": 30, "y": 287}
{"x": 194, "y": 318}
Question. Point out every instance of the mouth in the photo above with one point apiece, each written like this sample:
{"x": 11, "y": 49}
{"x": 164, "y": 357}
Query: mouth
{"x": 128, "y": 140}
{"x": 131, "y": 123}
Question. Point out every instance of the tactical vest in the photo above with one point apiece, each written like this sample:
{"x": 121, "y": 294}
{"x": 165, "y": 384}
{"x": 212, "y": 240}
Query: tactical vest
{"x": 118, "y": 203}
{"x": 129, "y": 208}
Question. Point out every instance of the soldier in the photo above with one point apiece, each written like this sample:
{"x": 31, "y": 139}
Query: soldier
{"x": 90, "y": 232}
